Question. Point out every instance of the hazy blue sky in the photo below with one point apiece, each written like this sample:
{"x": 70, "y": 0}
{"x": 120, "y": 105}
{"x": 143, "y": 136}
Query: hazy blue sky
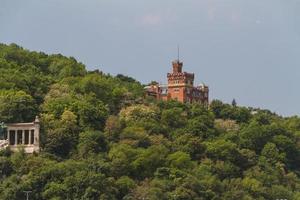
{"x": 243, "y": 49}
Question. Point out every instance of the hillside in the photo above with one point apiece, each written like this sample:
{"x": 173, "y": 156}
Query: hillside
{"x": 101, "y": 139}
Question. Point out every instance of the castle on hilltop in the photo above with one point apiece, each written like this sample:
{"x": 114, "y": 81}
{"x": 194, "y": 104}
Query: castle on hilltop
{"x": 180, "y": 87}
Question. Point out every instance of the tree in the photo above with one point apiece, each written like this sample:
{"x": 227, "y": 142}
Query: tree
{"x": 136, "y": 136}
{"x": 222, "y": 150}
{"x": 113, "y": 128}
{"x": 91, "y": 142}
{"x": 124, "y": 185}
{"x": 180, "y": 160}
{"x": 139, "y": 114}
{"x": 91, "y": 112}
{"x": 189, "y": 144}
{"x": 16, "y": 106}
{"x": 59, "y": 98}
{"x": 271, "y": 154}
{"x": 126, "y": 78}
{"x": 233, "y": 103}
{"x": 173, "y": 118}
{"x": 6, "y": 167}
{"x": 62, "y": 135}
{"x": 255, "y": 136}
{"x": 64, "y": 67}
{"x": 121, "y": 156}
{"x": 148, "y": 160}
{"x": 201, "y": 126}
{"x": 216, "y": 107}
{"x": 287, "y": 144}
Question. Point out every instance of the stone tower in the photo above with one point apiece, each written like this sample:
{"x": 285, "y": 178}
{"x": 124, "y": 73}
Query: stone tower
{"x": 180, "y": 84}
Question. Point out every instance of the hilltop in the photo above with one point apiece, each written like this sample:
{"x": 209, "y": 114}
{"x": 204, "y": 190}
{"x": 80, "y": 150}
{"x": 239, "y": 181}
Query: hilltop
{"x": 102, "y": 139}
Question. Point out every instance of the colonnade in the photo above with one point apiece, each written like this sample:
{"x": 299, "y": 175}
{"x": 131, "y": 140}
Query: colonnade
{"x": 20, "y": 137}
{"x": 26, "y": 135}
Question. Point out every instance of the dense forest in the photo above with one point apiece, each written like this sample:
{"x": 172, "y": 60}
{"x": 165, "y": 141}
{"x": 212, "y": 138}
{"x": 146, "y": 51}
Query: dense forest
{"x": 102, "y": 139}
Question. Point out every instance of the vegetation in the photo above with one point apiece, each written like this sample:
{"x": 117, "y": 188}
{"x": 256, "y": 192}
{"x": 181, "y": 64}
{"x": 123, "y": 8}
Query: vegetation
{"x": 102, "y": 140}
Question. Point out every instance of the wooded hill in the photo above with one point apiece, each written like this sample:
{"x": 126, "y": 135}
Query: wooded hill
{"x": 101, "y": 139}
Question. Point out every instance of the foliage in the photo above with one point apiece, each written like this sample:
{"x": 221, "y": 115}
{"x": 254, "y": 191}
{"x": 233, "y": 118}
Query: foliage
{"x": 16, "y": 106}
{"x": 102, "y": 140}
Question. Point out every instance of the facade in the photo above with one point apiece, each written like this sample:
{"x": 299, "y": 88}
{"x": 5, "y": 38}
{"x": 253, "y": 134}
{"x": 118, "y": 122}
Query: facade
{"x": 22, "y": 135}
{"x": 180, "y": 87}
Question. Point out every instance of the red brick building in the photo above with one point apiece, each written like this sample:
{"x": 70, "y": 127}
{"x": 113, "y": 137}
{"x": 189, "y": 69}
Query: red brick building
{"x": 180, "y": 87}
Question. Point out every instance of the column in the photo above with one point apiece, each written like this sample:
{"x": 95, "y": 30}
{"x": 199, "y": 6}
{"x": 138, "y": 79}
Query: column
{"x": 33, "y": 135}
{"x": 23, "y": 137}
{"x": 29, "y": 142}
{"x": 16, "y": 137}
{"x": 37, "y": 132}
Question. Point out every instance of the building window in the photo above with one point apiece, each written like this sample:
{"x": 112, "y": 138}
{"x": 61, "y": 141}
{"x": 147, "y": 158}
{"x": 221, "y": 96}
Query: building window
{"x": 164, "y": 91}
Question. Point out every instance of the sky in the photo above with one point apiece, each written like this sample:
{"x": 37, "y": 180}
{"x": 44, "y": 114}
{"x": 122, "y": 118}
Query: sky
{"x": 242, "y": 49}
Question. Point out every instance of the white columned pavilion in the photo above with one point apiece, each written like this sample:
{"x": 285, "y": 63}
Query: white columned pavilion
{"x": 29, "y": 132}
